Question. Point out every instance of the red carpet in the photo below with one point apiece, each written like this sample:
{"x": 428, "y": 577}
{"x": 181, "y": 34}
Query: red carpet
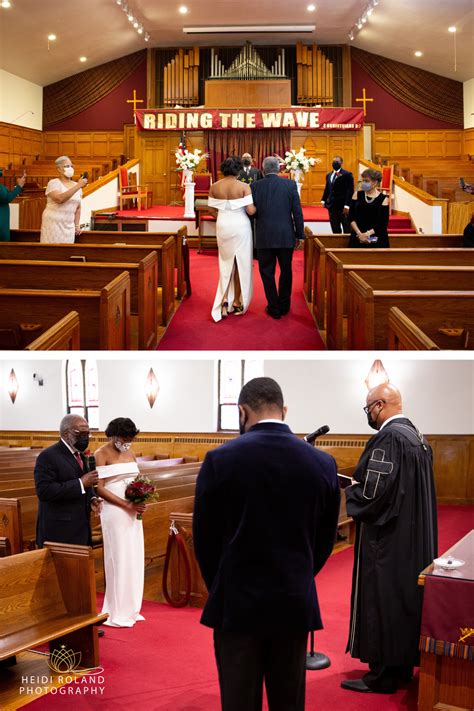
{"x": 192, "y": 327}
{"x": 167, "y": 662}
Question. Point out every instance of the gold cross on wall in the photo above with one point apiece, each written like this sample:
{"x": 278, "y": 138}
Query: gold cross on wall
{"x": 134, "y": 101}
{"x": 364, "y": 101}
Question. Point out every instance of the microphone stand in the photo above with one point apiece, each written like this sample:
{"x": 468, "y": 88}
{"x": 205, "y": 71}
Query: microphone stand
{"x": 316, "y": 661}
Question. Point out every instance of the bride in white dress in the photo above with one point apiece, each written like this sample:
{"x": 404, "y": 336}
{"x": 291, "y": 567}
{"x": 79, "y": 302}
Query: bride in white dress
{"x": 122, "y": 532}
{"x": 232, "y": 201}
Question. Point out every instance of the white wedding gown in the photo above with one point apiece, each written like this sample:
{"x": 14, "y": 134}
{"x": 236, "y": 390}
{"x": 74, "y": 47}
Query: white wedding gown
{"x": 124, "y": 551}
{"x": 234, "y": 240}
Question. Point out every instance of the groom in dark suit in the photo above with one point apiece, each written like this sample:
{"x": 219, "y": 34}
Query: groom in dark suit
{"x": 264, "y": 524}
{"x": 337, "y": 196}
{"x": 280, "y": 229}
{"x": 64, "y": 487}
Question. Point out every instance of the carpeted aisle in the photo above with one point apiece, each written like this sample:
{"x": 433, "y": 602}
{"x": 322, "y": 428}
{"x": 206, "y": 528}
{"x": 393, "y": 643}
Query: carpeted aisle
{"x": 167, "y": 662}
{"x": 192, "y": 327}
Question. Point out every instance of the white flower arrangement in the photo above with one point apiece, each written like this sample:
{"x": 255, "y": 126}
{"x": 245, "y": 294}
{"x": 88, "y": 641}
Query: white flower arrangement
{"x": 296, "y": 160}
{"x": 189, "y": 160}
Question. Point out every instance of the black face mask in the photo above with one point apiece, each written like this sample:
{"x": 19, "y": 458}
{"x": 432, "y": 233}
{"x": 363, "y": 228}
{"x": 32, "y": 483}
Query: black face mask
{"x": 82, "y": 442}
{"x": 371, "y": 422}
{"x": 246, "y": 162}
{"x": 336, "y": 165}
{"x": 242, "y": 426}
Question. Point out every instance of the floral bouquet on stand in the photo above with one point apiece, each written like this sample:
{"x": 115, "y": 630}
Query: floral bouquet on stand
{"x": 188, "y": 161}
{"x": 297, "y": 162}
{"x": 140, "y": 491}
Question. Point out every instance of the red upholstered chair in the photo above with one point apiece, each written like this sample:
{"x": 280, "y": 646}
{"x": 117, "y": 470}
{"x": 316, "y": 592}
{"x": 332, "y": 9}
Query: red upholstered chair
{"x": 203, "y": 182}
{"x": 128, "y": 191}
{"x": 386, "y": 185}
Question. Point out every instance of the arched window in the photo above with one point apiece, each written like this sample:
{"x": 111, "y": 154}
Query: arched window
{"x": 82, "y": 390}
{"x": 232, "y": 375}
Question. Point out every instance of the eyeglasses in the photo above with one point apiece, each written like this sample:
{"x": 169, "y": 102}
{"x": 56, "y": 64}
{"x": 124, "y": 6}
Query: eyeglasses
{"x": 368, "y": 407}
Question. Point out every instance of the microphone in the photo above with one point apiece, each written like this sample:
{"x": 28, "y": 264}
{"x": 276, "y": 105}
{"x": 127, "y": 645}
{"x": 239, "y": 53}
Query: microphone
{"x": 310, "y": 438}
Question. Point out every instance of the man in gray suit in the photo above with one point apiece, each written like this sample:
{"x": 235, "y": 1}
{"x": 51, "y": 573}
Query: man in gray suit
{"x": 280, "y": 229}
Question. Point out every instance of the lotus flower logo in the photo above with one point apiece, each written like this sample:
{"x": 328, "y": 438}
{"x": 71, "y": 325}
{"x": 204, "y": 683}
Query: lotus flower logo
{"x": 64, "y": 660}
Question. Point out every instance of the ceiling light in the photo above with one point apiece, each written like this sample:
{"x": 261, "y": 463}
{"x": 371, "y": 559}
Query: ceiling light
{"x": 359, "y": 25}
{"x": 140, "y": 30}
{"x": 245, "y": 29}
{"x": 119, "y": 2}
{"x": 351, "y": 36}
{"x": 183, "y": 9}
{"x": 369, "y": 11}
{"x": 51, "y": 38}
{"x": 364, "y": 20}
{"x": 83, "y": 59}
{"x": 130, "y": 17}
{"x": 452, "y": 29}
{"x": 6, "y": 3}
{"x": 418, "y": 54}
{"x": 147, "y": 37}
{"x": 311, "y": 8}
{"x": 136, "y": 24}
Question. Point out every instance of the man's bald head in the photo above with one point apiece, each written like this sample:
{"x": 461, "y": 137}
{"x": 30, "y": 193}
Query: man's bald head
{"x": 384, "y": 402}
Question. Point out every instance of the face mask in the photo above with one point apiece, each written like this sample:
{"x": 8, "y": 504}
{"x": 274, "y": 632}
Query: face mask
{"x": 123, "y": 446}
{"x": 69, "y": 171}
{"x": 366, "y": 186}
{"x": 371, "y": 422}
{"x": 246, "y": 162}
{"x": 242, "y": 426}
{"x": 336, "y": 165}
{"x": 82, "y": 442}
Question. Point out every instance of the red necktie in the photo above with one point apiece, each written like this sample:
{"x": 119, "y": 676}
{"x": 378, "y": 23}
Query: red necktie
{"x": 79, "y": 460}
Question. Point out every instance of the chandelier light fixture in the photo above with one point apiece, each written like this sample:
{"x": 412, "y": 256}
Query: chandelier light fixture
{"x": 376, "y": 375}
{"x": 133, "y": 18}
{"x": 363, "y": 19}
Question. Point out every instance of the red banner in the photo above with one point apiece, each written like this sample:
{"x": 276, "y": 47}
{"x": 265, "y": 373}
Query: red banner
{"x": 302, "y": 118}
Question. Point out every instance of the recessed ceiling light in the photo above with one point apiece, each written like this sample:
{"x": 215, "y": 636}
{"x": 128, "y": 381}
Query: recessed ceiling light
{"x": 451, "y": 29}
{"x": 83, "y": 59}
{"x": 311, "y": 8}
{"x": 6, "y": 3}
{"x": 418, "y": 54}
{"x": 136, "y": 24}
{"x": 51, "y": 38}
{"x": 183, "y": 9}
{"x": 140, "y": 30}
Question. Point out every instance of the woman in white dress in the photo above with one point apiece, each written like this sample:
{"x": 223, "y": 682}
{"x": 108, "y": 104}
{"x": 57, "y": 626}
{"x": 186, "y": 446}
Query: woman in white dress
{"x": 62, "y": 214}
{"x": 232, "y": 201}
{"x": 122, "y": 532}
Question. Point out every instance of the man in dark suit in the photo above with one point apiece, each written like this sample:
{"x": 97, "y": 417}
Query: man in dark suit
{"x": 264, "y": 524}
{"x": 337, "y": 196}
{"x": 279, "y": 230}
{"x": 249, "y": 174}
{"x": 64, "y": 486}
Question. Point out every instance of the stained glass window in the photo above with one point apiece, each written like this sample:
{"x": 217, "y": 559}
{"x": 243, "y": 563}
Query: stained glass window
{"x": 82, "y": 390}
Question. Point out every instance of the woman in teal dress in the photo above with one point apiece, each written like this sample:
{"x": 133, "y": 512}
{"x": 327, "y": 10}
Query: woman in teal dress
{"x": 6, "y": 197}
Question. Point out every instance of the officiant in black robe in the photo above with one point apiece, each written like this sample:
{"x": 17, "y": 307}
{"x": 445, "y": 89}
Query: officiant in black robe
{"x": 394, "y": 506}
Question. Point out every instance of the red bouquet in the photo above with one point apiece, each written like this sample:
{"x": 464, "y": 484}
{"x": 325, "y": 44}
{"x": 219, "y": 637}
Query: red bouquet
{"x": 141, "y": 490}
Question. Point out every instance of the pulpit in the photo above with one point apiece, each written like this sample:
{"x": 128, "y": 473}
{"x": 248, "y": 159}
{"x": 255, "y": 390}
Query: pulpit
{"x": 447, "y": 632}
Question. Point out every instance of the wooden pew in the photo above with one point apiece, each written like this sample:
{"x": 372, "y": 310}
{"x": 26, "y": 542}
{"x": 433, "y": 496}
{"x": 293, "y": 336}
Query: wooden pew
{"x": 94, "y": 275}
{"x": 401, "y": 270}
{"x": 65, "y": 335}
{"x": 368, "y": 309}
{"x": 106, "y": 311}
{"x": 154, "y": 240}
{"x": 322, "y": 244}
{"x": 52, "y": 592}
{"x": 405, "y": 334}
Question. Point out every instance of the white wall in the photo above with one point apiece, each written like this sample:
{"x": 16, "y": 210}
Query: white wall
{"x": 468, "y": 88}
{"x": 105, "y": 197}
{"x": 21, "y": 101}
{"x": 438, "y": 395}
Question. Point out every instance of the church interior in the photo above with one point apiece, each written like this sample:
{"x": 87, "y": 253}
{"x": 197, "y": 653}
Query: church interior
{"x": 384, "y": 85}
{"x": 184, "y": 408}
{"x": 142, "y": 102}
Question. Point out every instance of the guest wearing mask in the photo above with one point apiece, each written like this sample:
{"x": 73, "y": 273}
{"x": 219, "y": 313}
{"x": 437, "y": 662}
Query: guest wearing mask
{"x": 6, "y": 197}
{"x": 62, "y": 215}
{"x": 337, "y": 196}
{"x": 369, "y": 213}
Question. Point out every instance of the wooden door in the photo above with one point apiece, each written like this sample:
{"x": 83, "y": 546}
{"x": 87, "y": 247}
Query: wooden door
{"x": 153, "y": 151}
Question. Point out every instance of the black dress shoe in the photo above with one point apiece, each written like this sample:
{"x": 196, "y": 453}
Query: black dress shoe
{"x": 361, "y": 686}
{"x": 101, "y": 633}
{"x": 273, "y": 314}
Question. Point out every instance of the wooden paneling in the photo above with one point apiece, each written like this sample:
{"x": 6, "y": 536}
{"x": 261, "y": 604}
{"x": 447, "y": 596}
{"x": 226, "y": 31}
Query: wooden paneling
{"x": 453, "y": 454}
{"x": 469, "y": 142}
{"x": 18, "y": 144}
{"x": 261, "y": 93}
{"x": 85, "y": 145}
{"x": 396, "y": 144}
